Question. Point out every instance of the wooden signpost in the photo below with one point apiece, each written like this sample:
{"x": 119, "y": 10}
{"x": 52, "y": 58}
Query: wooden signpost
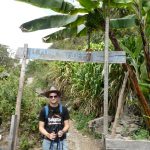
{"x": 12, "y": 132}
{"x": 72, "y": 55}
{"x": 60, "y": 55}
{"x": 15, "y": 120}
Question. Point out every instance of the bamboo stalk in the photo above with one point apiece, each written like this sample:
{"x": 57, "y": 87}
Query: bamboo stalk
{"x": 120, "y": 104}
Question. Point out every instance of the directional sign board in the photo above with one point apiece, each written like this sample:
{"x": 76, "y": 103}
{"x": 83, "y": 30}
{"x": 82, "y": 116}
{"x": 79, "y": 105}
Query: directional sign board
{"x": 72, "y": 55}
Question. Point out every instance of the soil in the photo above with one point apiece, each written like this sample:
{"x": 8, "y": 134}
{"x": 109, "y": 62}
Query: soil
{"x": 77, "y": 141}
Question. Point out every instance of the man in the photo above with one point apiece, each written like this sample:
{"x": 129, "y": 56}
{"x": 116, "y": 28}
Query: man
{"x": 54, "y": 122}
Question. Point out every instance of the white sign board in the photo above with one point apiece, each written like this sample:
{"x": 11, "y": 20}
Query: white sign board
{"x": 72, "y": 55}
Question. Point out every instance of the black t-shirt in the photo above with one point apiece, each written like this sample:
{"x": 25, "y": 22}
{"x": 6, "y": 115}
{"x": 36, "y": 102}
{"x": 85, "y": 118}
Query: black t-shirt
{"x": 55, "y": 119}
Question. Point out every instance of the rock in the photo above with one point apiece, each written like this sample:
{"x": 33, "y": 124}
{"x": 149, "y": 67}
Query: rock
{"x": 119, "y": 136}
{"x": 29, "y": 81}
{"x": 1, "y": 130}
{"x": 96, "y": 125}
{"x": 133, "y": 127}
{"x": 119, "y": 129}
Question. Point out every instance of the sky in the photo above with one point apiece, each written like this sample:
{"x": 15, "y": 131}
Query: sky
{"x": 12, "y": 15}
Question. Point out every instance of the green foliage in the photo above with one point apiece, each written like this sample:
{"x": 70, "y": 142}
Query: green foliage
{"x": 132, "y": 44}
{"x": 2, "y": 69}
{"x": 73, "y": 43}
{"x": 141, "y": 134}
{"x": 30, "y": 109}
{"x": 116, "y": 75}
{"x": 5, "y": 60}
{"x": 8, "y": 92}
{"x": 38, "y": 69}
{"x": 82, "y": 120}
{"x": 26, "y": 143}
{"x": 87, "y": 82}
{"x": 58, "y": 6}
{"x": 145, "y": 87}
{"x": 30, "y": 106}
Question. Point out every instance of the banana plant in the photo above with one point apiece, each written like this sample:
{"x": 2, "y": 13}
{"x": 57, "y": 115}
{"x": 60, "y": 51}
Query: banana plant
{"x": 142, "y": 11}
{"x": 75, "y": 19}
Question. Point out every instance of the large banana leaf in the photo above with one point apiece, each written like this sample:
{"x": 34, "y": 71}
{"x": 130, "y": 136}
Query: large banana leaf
{"x": 56, "y": 5}
{"x": 125, "y": 22}
{"x": 54, "y": 21}
{"x": 72, "y": 21}
{"x": 82, "y": 30}
{"x": 146, "y": 5}
{"x": 65, "y": 33}
{"x": 89, "y": 4}
{"x": 78, "y": 10}
{"x": 122, "y": 1}
{"x": 60, "y": 35}
{"x": 80, "y": 20}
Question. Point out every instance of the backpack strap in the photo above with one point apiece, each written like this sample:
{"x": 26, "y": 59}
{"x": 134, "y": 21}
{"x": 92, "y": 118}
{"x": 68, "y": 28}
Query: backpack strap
{"x": 46, "y": 108}
{"x": 60, "y": 108}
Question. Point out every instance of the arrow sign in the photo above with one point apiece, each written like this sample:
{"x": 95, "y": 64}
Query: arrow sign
{"x": 72, "y": 55}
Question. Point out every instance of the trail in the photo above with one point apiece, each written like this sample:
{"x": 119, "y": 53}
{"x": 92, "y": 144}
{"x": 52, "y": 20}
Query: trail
{"x": 76, "y": 141}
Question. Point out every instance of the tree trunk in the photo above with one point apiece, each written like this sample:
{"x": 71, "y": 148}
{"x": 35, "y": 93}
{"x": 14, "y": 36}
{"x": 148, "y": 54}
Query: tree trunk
{"x": 142, "y": 100}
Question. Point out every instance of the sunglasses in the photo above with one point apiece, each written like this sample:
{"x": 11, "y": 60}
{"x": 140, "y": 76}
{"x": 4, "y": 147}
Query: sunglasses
{"x": 53, "y": 96}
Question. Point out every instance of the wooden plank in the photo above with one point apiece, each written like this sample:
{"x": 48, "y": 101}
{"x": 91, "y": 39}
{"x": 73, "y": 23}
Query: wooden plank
{"x": 72, "y": 55}
{"x": 118, "y": 144}
{"x": 20, "y": 92}
{"x": 106, "y": 74}
{"x": 12, "y": 132}
{"x": 120, "y": 104}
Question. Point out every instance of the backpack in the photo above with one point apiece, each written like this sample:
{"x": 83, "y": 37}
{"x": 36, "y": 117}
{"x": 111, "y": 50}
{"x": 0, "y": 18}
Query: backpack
{"x": 46, "y": 108}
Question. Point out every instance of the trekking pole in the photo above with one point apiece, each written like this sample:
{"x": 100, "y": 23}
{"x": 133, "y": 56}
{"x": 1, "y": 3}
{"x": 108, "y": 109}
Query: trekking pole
{"x": 51, "y": 145}
{"x": 62, "y": 145}
{"x": 58, "y": 144}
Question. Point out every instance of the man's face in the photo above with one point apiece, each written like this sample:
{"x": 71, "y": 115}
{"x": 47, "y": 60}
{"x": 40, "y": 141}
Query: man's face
{"x": 54, "y": 98}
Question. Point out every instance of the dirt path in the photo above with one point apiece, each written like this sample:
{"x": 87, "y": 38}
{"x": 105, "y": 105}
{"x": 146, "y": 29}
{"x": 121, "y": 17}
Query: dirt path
{"x": 76, "y": 141}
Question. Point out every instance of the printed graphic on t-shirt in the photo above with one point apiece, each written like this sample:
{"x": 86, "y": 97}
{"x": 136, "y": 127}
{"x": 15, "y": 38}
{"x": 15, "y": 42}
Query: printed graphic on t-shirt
{"x": 54, "y": 120}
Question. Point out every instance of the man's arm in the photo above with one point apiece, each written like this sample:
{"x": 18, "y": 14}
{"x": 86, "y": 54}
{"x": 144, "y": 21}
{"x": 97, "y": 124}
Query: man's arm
{"x": 66, "y": 126}
{"x": 42, "y": 129}
{"x": 65, "y": 129}
{"x": 51, "y": 136}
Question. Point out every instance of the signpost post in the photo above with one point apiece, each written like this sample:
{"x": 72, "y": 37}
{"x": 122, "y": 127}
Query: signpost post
{"x": 16, "y": 119}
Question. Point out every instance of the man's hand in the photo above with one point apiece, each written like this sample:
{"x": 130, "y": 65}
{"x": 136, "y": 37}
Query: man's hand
{"x": 51, "y": 136}
{"x": 60, "y": 133}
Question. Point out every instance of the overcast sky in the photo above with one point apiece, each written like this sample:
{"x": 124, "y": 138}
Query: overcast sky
{"x": 12, "y": 15}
